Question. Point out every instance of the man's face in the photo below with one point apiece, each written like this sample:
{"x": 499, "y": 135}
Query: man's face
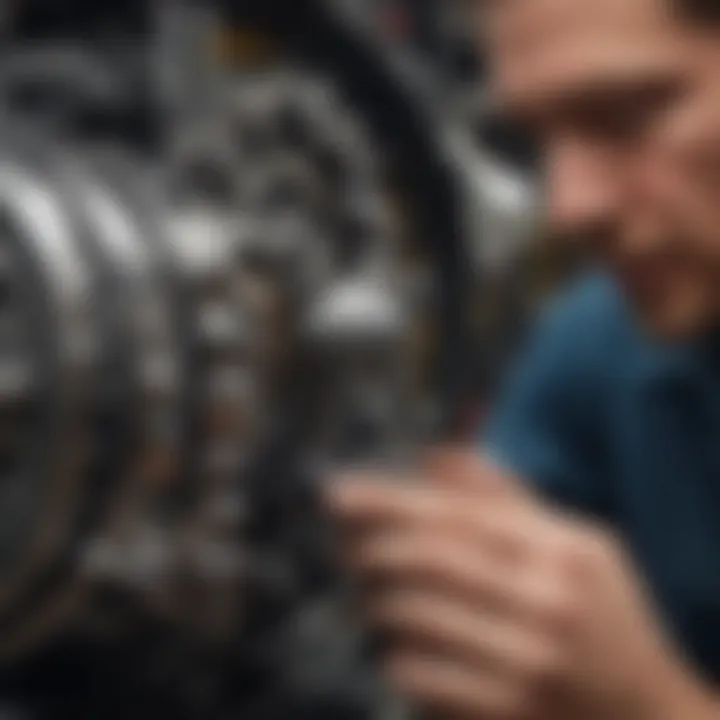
{"x": 624, "y": 99}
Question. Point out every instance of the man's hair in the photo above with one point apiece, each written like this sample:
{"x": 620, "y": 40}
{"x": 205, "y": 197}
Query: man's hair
{"x": 700, "y": 10}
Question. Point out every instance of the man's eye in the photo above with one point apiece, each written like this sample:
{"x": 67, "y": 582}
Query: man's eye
{"x": 627, "y": 114}
{"x": 619, "y": 120}
{"x": 623, "y": 122}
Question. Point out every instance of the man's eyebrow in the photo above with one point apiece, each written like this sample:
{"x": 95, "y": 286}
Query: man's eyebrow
{"x": 640, "y": 86}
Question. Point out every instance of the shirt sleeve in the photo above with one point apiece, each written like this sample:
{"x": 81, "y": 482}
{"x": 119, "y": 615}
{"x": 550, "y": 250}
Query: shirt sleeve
{"x": 547, "y": 425}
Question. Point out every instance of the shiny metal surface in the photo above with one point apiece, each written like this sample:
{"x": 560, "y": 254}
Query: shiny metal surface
{"x": 216, "y": 327}
{"x": 52, "y": 475}
{"x": 182, "y": 316}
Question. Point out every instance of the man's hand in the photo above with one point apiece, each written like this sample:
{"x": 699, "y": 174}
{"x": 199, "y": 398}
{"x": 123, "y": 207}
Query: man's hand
{"x": 500, "y": 607}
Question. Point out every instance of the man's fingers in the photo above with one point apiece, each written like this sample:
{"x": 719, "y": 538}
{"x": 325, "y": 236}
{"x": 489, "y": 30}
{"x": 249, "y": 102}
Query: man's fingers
{"x": 493, "y": 581}
{"x": 510, "y": 526}
{"x": 462, "y": 467}
{"x": 452, "y": 689}
{"x": 463, "y": 631}
{"x": 456, "y": 466}
{"x": 372, "y": 501}
{"x": 441, "y": 563}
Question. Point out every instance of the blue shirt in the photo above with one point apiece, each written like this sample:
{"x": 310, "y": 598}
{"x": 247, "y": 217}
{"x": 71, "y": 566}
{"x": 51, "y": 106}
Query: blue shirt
{"x": 606, "y": 422}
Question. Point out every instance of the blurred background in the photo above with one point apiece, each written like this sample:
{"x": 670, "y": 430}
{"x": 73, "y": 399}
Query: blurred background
{"x": 243, "y": 244}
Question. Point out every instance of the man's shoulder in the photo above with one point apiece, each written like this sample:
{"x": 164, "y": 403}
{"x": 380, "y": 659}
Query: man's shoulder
{"x": 551, "y": 420}
{"x": 581, "y": 350}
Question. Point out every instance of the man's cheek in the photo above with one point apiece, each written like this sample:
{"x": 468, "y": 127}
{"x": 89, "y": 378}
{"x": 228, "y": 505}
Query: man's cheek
{"x": 688, "y": 150}
{"x": 699, "y": 169}
{"x": 679, "y": 188}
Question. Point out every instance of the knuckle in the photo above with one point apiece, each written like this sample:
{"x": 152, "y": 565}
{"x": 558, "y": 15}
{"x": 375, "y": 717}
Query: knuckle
{"x": 589, "y": 549}
{"x": 544, "y": 668}
{"x": 558, "y": 605}
{"x": 565, "y": 611}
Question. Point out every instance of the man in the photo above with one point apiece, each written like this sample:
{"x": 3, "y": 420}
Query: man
{"x": 574, "y": 570}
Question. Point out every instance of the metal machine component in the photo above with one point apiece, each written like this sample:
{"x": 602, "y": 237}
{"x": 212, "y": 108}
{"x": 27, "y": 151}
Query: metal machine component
{"x": 191, "y": 340}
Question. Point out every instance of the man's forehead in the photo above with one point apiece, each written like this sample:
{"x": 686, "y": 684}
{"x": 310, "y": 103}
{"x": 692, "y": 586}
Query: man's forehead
{"x": 539, "y": 13}
{"x": 525, "y": 24}
{"x": 539, "y": 46}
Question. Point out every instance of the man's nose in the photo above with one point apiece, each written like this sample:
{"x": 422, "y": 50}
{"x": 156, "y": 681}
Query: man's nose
{"x": 583, "y": 191}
